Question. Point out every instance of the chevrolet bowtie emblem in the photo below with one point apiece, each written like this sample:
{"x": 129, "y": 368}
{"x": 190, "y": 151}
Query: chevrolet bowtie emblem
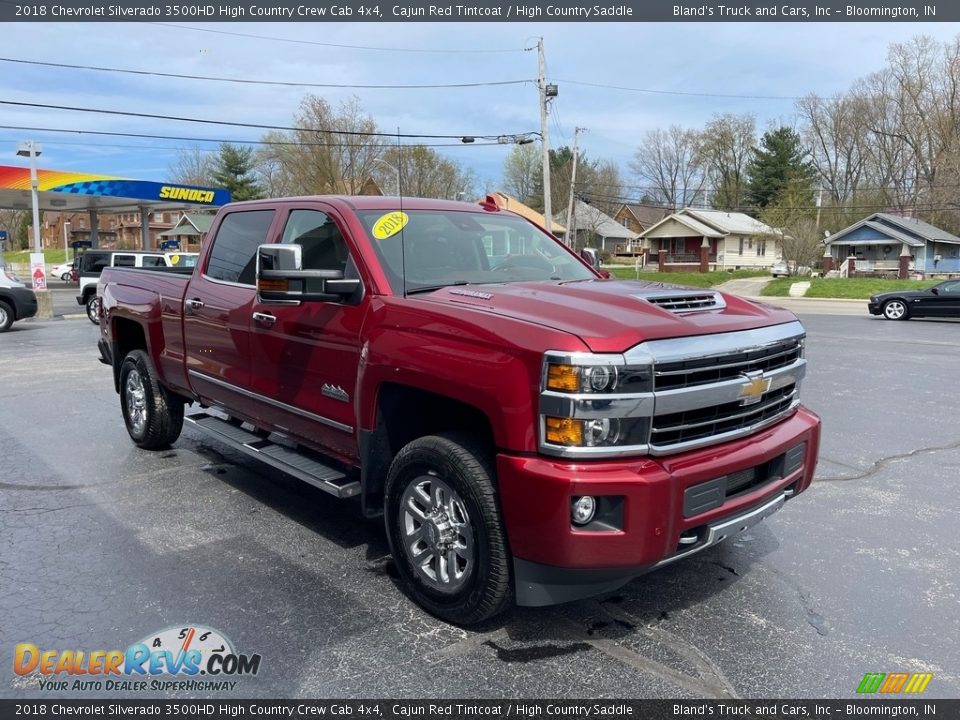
{"x": 752, "y": 391}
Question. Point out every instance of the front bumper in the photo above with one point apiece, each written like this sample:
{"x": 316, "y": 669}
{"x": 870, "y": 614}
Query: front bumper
{"x": 24, "y": 302}
{"x": 656, "y": 520}
{"x": 875, "y": 308}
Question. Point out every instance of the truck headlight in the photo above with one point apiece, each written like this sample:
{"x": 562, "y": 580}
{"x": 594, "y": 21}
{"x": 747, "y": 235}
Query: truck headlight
{"x": 596, "y": 432}
{"x": 606, "y": 377}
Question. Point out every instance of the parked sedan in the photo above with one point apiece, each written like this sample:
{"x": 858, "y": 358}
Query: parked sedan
{"x": 941, "y": 300}
{"x": 64, "y": 271}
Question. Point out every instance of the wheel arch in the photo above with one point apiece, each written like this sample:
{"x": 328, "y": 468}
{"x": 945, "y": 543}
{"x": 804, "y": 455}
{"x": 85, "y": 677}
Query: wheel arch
{"x": 396, "y": 426}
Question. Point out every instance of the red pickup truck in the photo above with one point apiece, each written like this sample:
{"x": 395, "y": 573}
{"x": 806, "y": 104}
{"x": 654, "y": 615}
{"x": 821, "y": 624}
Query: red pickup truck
{"x": 531, "y": 431}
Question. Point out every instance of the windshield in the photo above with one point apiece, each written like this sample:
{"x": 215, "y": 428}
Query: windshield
{"x": 436, "y": 248}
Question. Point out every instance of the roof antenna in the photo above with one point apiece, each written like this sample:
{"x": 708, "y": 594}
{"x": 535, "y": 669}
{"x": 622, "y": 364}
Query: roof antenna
{"x": 403, "y": 253}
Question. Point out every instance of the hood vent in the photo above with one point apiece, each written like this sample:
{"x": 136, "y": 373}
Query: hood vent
{"x": 686, "y": 301}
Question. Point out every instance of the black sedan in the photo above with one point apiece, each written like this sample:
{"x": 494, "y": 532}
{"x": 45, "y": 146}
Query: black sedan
{"x": 941, "y": 300}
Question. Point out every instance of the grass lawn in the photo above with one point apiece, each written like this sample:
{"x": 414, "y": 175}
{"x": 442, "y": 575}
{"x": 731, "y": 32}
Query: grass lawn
{"x": 51, "y": 257}
{"x": 849, "y": 288}
{"x": 693, "y": 279}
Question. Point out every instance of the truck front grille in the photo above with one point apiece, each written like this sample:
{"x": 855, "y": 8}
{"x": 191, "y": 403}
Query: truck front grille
{"x": 706, "y": 422}
{"x": 703, "y": 371}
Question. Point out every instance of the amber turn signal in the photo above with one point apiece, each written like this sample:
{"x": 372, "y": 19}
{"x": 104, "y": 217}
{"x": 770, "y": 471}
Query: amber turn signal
{"x": 565, "y": 378}
{"x": 564, "y": 431}
{"x": 272, "y": 285}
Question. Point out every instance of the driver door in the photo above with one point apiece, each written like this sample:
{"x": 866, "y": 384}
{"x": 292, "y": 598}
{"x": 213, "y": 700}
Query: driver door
{"x": 305, "y": 355}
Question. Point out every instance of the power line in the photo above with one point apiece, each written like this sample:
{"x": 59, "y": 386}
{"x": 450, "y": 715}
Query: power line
{"x": 280, "y": 83}
{"x": 270, "y": 143}
{"x": 679, "y": 92}
{"x": 357, "y": 133}
{"x": 295, "y": 41}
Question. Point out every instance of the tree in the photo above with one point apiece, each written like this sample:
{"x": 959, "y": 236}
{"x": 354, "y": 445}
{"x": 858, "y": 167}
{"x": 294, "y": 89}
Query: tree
{"x": 781, "y": 162}
{"x": 798, "y": 231}
{"x": 192, "y": 167}
{"x": 725, "y": 146}
{"x": 15, "y": 222}
{"x": 671, "y": 162}
{"x": 233, "y": 169}
{"x": 423, "y": 172}
{"x": 331, "y": 151}
{"x": 521, "y": 173}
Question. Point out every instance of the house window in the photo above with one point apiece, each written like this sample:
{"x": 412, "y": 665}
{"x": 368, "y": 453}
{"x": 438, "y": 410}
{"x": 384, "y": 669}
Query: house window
{"x": 761, "y": 247}
{"x": 740, "y": 251}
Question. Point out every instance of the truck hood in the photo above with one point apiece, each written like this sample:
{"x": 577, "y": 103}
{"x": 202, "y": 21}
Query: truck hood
{"x": 614, "y": 315}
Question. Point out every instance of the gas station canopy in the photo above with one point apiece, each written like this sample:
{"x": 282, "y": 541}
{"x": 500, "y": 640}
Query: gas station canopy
{"x": 60, "y": 191}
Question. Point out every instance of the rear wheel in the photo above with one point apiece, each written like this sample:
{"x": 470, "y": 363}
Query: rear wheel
{"x": 895, "y": 310}
{"x": 153, "y": 416}
{"x": 6, "y": 316}
{"x": 445, "y": 529}
{"x": 93, "y": 309}
{"x": 66, "y": 277}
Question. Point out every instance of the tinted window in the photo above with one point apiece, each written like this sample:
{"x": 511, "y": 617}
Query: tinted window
{"x": 323, "y": 246}
{"x": 93, "y": 263}
{"x": 124, "y": 261}
{"x": 234, "y": 251}
{"x": 153, "y": 261}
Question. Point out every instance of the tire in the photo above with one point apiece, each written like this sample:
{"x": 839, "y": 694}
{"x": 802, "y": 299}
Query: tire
{"x": 440, "y": 494}
{"x": 66, "y": 276}
{"x": 6, "y": 316}
{"x": 93, "y": 307}
{"x": 153, "y": 416}
{"x": 895, "y": 309}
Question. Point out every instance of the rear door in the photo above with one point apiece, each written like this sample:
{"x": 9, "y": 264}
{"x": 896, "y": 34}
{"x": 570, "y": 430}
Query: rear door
{"x": 216, "y": 311}
{"x": 305, "y": 356}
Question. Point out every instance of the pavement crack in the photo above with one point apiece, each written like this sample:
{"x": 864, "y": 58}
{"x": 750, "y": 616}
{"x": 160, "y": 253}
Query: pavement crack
{"x": 729, "y": 569}
{"x": 884, "y": 462}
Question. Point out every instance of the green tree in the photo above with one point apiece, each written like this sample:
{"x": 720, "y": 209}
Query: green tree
{"x": 781, "y": 162}
{"x": 233, "y": 169}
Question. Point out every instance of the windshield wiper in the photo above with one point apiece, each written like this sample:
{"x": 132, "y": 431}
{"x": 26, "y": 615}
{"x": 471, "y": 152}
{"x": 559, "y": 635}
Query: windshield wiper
{"x": 431, "y": 288}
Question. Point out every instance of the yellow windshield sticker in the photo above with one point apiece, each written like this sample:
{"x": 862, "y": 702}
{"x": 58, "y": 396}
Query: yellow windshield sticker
{"x": 389, "y": 225}
{"x": 175, "y": 260}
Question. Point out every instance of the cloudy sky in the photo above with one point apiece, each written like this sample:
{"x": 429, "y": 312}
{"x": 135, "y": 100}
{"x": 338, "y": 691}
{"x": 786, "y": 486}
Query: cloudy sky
{"x": 769, "y": 62}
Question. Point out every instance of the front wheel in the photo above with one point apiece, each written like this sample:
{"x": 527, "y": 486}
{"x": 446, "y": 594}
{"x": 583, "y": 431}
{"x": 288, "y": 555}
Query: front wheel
{"x": 153, "y": 416}
{"x": 6, "y": 316}
{"x": 895, "y": 310}
{"x": 445, "y": 529}
{"x": 93, "y": 309}
{"x": 66, "y": 277}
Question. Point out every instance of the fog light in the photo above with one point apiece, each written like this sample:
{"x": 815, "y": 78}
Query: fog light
{"x": 583, "y": 509}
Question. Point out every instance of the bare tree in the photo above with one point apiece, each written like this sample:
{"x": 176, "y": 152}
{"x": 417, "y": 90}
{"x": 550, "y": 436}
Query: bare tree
{"x": 797, "y": 230}
{"x": 425, "y": 173}
{"x": 671, "y": 162}
{"x": 193, "y": 166}
{"x": 724, "y": 149}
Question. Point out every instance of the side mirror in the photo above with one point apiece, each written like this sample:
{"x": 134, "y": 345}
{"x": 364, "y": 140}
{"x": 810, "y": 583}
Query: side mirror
{"x": 935, "y": 291}
{"x": 281, "y": 277}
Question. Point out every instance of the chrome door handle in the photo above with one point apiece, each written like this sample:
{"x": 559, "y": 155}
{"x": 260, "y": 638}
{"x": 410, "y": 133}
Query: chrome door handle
{"x": 194, "y": 303}
{"x": 265, "y": 318}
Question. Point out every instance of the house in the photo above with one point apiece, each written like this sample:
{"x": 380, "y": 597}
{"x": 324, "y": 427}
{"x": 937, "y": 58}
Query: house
{"x": 731, "y": 240}
{"x": 593, "y": 228}
{"x": 505, "y": 202}
{"x": 190, "y": 231}
{"x": 887, "y": 243}
{"x": 638, "y": 218}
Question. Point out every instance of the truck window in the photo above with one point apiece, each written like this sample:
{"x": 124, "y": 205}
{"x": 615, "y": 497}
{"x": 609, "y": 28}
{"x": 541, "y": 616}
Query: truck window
{"x": 234, "y": 251}
{"x": 323, "y": 245}
{"x": 153, "y": 261}
{"x": 124, "y": 261}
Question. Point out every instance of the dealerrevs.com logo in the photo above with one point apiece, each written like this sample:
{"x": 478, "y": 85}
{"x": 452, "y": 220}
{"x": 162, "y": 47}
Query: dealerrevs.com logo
{"x": 189, "y": 657}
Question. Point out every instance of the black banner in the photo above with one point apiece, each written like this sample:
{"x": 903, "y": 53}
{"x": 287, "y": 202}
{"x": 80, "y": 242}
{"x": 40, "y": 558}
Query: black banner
{"x": 481, "y": 11}
{"x": 445, "y": 709}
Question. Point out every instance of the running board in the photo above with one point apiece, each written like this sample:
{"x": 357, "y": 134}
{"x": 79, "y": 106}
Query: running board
{"x": 283, "y": 458}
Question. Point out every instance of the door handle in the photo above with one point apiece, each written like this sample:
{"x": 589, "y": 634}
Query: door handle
{"x": 194, "y": 303}
{"x": 265, "y": 318}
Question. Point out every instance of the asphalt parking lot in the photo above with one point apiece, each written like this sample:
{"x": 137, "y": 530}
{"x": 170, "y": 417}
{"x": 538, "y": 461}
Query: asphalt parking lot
{"x": 102, "y": 544}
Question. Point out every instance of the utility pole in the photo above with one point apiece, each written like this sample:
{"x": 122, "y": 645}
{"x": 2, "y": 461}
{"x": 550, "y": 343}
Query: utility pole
{"x": 545, "y": 94}
{"x": 571, "y": 235}
{"x": 819, "y": 203}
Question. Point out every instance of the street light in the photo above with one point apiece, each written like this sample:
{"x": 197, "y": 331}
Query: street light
{"x": 32, "y": 150}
